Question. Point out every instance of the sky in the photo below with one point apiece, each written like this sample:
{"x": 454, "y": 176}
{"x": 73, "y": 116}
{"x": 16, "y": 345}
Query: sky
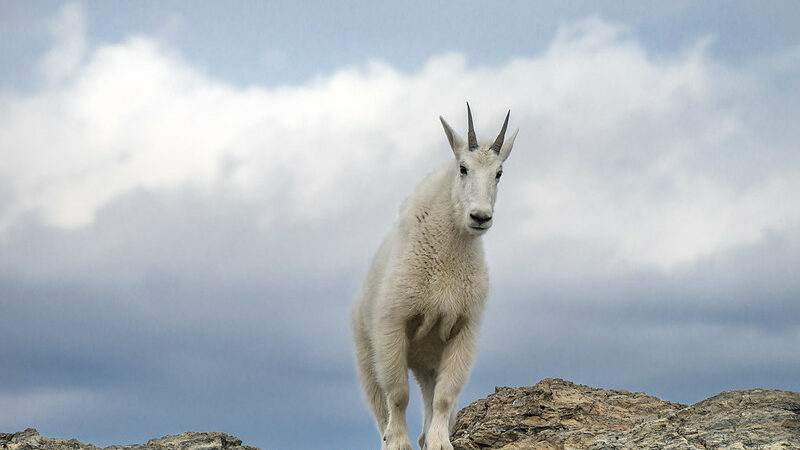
{"x": 191, "y": 193}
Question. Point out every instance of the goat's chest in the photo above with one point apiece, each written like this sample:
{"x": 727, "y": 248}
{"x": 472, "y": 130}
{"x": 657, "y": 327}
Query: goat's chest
{"x": 444, "y": 273}
{"x": 446, "y": 287}
{"x": 445, "y": 297}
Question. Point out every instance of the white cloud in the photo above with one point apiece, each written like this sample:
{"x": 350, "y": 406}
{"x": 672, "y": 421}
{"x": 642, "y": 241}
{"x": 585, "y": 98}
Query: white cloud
{"x": 658, "y": 218}
{"x": 606, "y": 155}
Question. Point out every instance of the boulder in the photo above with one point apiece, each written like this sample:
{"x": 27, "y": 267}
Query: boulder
{"x": 558, "y": 414}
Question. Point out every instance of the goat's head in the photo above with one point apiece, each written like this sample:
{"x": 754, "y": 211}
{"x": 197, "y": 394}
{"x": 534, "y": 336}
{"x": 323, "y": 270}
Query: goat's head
{"x": 477, "y": 171}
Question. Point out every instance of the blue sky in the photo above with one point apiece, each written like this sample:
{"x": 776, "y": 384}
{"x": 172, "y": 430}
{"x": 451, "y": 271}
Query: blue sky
{"x": 191, "y": 192}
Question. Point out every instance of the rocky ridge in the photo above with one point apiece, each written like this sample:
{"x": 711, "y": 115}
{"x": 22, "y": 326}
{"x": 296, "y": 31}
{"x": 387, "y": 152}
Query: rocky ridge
{"x": 558, "y": 414}
{"x": 30, "y": 440}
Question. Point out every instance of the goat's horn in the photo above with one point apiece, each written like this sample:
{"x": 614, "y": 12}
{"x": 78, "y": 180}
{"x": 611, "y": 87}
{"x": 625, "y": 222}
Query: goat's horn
{"x": 473, "y": 141}
{"x": 498, "y": 143}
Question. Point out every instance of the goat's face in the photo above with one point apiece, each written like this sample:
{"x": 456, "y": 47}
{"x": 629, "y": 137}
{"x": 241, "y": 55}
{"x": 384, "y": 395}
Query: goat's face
{"x": 475, "y": 188}
{"x": 477, "y": 171}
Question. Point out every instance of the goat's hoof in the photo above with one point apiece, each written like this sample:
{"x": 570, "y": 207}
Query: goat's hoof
{"x": 397, "y": 442}
{"x": 397, "y": 446}
{"x": 438, "y": 444}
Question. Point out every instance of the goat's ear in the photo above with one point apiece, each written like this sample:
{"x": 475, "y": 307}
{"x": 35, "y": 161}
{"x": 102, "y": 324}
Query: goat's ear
{"x": 505, "y": 150}
{"x": 456, "y": 143}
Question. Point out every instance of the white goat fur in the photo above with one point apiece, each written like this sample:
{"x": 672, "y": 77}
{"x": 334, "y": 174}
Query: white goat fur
{"x": 421, "y": 303}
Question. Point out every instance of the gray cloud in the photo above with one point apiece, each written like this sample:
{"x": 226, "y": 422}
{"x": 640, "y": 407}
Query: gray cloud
{"x": 179, "y": 338}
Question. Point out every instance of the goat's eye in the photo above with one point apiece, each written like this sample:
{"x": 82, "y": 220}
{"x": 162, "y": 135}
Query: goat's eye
{"x": 464, "y": 170}
{"x": 499, "y": 174}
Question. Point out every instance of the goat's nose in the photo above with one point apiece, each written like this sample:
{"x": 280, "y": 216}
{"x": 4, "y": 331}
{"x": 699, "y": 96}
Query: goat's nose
{"x": 480, "y": 217}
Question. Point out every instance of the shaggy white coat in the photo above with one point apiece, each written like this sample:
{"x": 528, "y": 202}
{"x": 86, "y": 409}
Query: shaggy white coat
{"x": 421, "y": 303}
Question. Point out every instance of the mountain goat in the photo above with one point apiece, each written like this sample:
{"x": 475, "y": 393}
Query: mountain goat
{"x": 421, "y": 302}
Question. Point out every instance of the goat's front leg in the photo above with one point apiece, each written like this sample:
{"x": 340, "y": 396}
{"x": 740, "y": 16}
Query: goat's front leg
{"x": 392, "y": 371}
{"x": 453, "y": 373}
{"x": 427, "y": 382}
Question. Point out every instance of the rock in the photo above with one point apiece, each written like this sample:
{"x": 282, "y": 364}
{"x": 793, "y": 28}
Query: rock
{"x": 557, "y": 414}
{"x": 189, "y": 441}
{"x": 30, "y": 440}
